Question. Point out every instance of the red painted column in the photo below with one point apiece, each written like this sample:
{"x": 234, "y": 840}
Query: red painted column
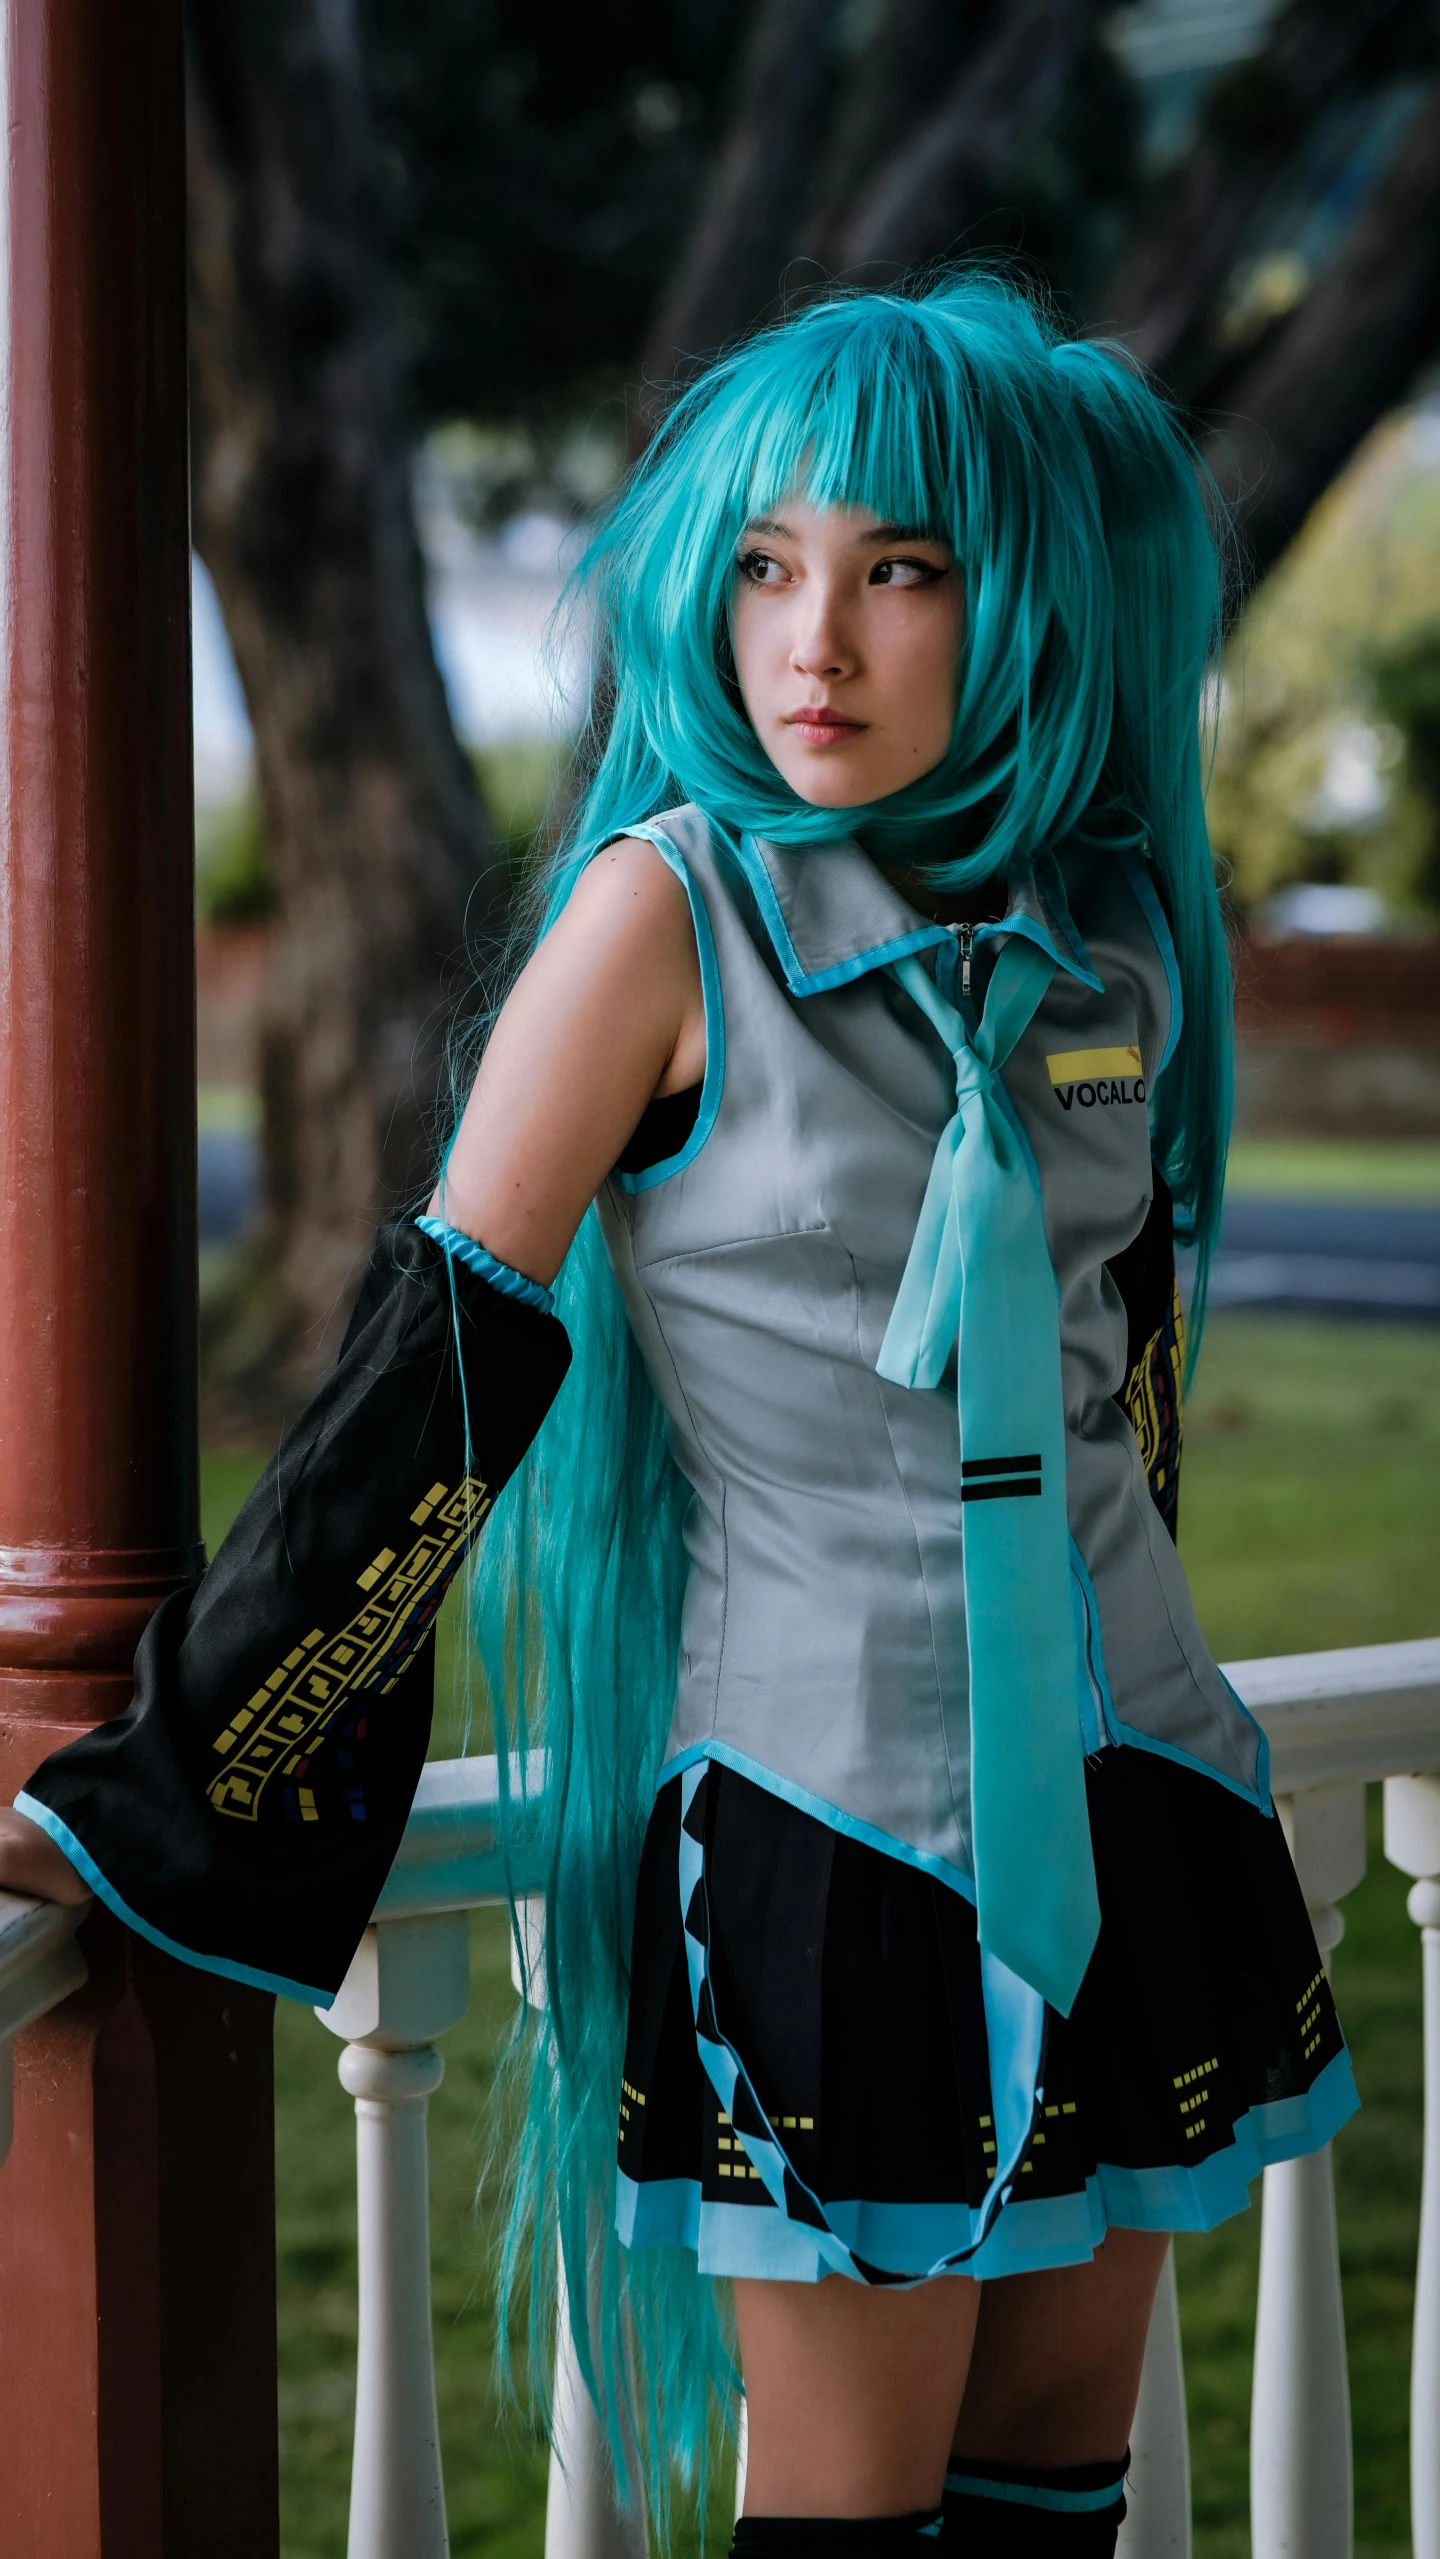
{"x": 137, "y": 2331}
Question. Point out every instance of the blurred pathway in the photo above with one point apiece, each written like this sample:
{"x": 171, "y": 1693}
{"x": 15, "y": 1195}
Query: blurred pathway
{"x": 1332, "y": 1257}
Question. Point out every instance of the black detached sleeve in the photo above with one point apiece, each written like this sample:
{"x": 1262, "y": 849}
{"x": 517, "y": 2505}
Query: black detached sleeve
{"x": 244, "y": 1810}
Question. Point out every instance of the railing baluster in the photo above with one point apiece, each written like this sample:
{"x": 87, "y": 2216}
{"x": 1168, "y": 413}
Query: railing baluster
{"x": 1300, "y": 2485}
{"x": 397, "y": 2490}
{"x": 1301, "y": 2499}
{"x": 1412, "y": 1842}
{"x": 583, "y": 2516}
{"x": 742, "y": 2456}
{"x": 1157, "y": 2525}
{"x": 408, "y": 1983}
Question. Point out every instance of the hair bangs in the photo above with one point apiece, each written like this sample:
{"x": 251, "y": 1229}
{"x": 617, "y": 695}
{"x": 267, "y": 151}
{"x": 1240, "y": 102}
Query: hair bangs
{"x": 869, "y": 435}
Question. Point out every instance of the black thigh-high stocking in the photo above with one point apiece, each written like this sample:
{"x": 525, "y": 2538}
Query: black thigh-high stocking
{"x": 1019, "y": 2513}
{"x": 837, "y": 2536}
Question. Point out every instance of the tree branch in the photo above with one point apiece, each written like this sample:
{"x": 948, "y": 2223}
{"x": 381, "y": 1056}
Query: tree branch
{"x": 946, "y": 174}
{"x": 912, "y": 58}
{"x": 729, "y": 272}
{"x": 1349, "y": 353}
{"x": 303, "y": 516}
{"x": 1188, "y": 232}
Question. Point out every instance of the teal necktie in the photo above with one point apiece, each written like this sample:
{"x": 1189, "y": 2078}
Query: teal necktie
{"x": 980, "y": 1272}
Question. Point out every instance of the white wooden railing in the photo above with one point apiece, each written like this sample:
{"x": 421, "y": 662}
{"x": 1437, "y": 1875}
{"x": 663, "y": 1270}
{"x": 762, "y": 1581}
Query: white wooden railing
{"x": 40, "y": 1964}
{"x": 1334, "y": 1720}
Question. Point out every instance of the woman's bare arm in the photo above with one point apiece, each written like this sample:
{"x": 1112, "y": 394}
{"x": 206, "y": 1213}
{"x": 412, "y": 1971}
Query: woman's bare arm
{"x": 607, "y": 1013}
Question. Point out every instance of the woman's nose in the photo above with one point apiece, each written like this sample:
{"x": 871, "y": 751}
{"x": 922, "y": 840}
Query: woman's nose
{"x": 822, "y": 645}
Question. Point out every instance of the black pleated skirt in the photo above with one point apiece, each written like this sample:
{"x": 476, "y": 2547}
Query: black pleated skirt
{"x": 847, "y": 1984}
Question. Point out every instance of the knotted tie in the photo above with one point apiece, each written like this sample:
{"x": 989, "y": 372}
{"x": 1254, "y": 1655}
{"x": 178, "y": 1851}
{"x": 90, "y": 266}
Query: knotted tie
{"x": 979, "y": 1271}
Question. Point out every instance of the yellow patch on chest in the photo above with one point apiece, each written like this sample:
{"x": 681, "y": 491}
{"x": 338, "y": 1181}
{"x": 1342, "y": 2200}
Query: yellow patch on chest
{"x": 1072, "y": 1065}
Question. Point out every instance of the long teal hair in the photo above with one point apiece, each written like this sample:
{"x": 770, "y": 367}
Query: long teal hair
{"x": 1087, "y": 549}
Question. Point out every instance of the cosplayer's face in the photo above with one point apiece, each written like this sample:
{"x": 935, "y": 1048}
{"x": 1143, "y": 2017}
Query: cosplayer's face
{"x": 846, "y": 632}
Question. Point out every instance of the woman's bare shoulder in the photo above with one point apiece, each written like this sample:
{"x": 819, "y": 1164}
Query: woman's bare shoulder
{"x": 627, "y": 899}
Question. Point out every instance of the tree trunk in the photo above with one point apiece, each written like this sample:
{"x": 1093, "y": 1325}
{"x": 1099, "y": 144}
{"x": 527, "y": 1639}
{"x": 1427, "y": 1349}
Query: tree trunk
{"x": 304, "y": 519}
{"x": 1161, "y": 295}
{"x": 1348, "y": 354}
{"x": 896, "y": 186}
{"x": 730, "y": 271}
{"x": 910, "y": 59}
{"x": 952, "y": 167}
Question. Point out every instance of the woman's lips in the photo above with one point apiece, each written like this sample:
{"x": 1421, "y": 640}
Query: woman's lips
{"x": 820, "y": 726}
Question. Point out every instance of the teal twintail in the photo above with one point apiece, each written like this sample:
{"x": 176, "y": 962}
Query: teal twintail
{"x": 576, "y": 1619}
{"x": 1081, "y": 524}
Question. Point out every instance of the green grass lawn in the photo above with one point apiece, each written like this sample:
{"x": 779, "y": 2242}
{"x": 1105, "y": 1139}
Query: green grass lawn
{"x": 1389, "y": 1170}
{"x": 1310, "y": 1516}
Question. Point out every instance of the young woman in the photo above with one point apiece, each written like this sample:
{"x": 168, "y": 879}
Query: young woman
{"x": 914, "y": 1889}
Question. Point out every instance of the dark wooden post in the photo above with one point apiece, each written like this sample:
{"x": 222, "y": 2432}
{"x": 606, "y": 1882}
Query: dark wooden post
{"x": 137, "y": 2330}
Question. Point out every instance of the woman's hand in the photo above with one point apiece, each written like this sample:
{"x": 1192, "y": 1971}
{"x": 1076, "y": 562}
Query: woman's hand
{"x": 31, "y": 1863}
{"x": 606, "y": 1014}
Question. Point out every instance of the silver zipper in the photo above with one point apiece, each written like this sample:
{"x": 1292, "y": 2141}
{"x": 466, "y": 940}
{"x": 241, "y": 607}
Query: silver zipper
{"x": 965, "y": 940}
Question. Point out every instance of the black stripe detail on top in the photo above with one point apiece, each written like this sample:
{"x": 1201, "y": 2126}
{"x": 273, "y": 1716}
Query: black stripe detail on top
{"x": 1007, "y": 1491}
{"x": 999, "y": 1465}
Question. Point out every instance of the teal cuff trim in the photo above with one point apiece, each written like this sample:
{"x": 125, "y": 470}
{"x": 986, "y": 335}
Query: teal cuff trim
{"x": 1154, "y": 913}
{"x": 1054, "y": 2501}
{"x": 463, "y": 1248}
{"x": 84, "y": 1865}
{"x": 848, "y": 1824}
{"x": 714, "y": 1083}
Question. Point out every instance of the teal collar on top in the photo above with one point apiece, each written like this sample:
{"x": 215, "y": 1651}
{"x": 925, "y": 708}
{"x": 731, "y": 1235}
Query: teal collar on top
{"x": 833, "y": 916}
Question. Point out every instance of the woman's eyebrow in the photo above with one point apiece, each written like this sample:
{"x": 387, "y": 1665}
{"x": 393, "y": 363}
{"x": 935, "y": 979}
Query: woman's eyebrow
{"x": 772, "y": 525}
{"x": 900, "y": 533}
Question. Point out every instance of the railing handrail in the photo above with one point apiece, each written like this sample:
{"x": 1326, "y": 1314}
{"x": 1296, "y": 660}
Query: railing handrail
{"x": 40, "y": 1964}
{"x": 450, "y": 1857}
{"x": 1364, "y": 1711}
{"x": 39, "y": 1960}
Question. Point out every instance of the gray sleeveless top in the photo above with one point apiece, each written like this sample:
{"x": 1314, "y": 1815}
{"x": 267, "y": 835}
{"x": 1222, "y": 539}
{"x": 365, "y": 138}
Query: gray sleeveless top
{"x": 823, "y": 1640}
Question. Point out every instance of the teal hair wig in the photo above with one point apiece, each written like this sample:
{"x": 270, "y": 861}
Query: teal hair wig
{"x": 1087, "y": 545}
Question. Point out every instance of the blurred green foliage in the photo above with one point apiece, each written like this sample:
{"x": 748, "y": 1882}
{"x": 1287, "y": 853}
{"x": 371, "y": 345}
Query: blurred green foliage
{"x": 234, "y": 881}
{"x": 1321, "y": 771}
{"x": 1310, "y": 1486}
{"x": 520, "y": 783}
{"x": 1337, "y": 1168}
{"x": 1406, "y": 679}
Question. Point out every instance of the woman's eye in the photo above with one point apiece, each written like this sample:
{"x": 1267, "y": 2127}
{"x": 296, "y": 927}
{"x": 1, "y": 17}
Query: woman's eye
{"x": 761, "y": 568}
{"x": 905, "y": 573}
